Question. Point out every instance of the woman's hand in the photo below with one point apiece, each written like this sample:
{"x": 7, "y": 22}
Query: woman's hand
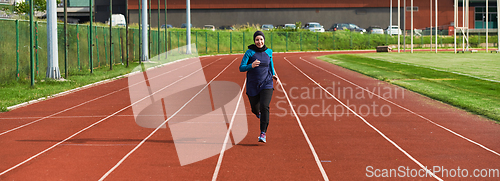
{"x": 255, "y": 63}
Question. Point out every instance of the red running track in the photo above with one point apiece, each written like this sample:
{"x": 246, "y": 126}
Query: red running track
{"x": 91, "y": 134}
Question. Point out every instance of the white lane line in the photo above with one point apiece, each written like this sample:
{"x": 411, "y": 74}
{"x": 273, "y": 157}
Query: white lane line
{"x": 221, "y": 155}
{"x": 27, "y": 124}
{"x": 318, "y": 162}
{"x": 164, "y": 122}
{"x": 406, "y": 109}
{"x": 92, "y": 125}
{"x": 367, "y": 123}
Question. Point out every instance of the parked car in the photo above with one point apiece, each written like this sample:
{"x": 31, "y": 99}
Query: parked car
{"x": 184, "y": 25}
{"x": 226, "y": 28}
{"x": 286, "y": 26}
{"x": 339, "y": 26}
{"x": 393, "y": 30}
{"x": 347, "y": 26}
{"x": 290, "y": 26}
{"x": 267, "y": 27}
{"x": 209, "y": 27}
{"x": 314, "y": 27}
{"x": 166, "y": 26}
{"x": 375, "y": 30}
{"x": 118, "y": 20}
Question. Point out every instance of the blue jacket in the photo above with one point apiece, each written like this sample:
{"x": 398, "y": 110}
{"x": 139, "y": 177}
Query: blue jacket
{"x": 261, "y": 77}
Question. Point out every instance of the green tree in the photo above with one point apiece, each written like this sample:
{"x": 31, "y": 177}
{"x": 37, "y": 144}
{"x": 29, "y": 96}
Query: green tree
{"x": 38, "y": 5}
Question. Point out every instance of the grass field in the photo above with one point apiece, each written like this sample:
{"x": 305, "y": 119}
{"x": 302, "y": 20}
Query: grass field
{"x": 423, "y": 73}
{"x": 483, "y": 65}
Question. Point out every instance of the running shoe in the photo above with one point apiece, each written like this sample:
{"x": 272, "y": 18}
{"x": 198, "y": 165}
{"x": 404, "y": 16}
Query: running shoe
{"x": 258, "y": 115}
{"x": 262, "y": 137}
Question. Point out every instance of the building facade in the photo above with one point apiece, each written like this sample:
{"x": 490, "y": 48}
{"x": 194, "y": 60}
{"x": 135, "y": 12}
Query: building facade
{"x": 363, "y": 13}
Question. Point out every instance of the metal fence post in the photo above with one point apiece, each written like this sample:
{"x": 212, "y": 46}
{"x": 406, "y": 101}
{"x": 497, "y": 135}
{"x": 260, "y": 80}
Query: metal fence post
{"x": 244, "y": 42}
{"x": 65, "y": 39}
{"x": 111, "y": 49}
{"x": 300, "y": 43}
{"x": 140, "y": 30}
{"x": 333, "y": 40}
{"x": 105, "y": 45}
{"x": 169, "y": 39}
{"x": 32, "y": 63}
{"x": 159, "y": 38}
{"x": 350, "y": 39}
{"x": 317, "y": 40}
{"x": 478, "y": 39}
{"x": 120, "y": 43}
{"x": 111, "y": 34}
{"x": 206, "y": 42}
{"x": 421, "y": 41}
{"x": 218, "y": 41}
{"x": 126, "y": 28}
{"x": 133, "y": 39}
{"x": 286, "y": 47}
{"x": 97, "y": 46}
{"x": 89, "y": 40}
{"x": 441, "y": 40}
{"x": 78, "y": 47}
{"x": 369, "y": 41}
{"x": 17, "y": 49}
{"x": 271, "y": 40}
{"x": 91, "y": 12}
{"x": 166, "y": 44}
{"x": 387, "y": 38}
{"x": 230, "y": 42}
{"x": 36, "y": 47}
{"x": 150, "y": 40}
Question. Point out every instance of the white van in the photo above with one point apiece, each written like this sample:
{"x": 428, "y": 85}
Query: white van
{"x": 118, "y": 20}
{"x": 393, "y": 30}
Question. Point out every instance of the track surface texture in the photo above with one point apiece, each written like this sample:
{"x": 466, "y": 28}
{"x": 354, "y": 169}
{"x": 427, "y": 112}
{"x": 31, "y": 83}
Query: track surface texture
{"x": 368, "y": 130}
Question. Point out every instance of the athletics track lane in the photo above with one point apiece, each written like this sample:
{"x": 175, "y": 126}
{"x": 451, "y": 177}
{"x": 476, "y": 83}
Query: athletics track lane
{"x": 67, "y": 162}
{"x": 427, "y": 143}
{"x": 282, "y": 158}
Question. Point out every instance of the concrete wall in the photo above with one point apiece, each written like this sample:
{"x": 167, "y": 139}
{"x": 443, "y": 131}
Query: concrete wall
{"x": 363, "y": 17}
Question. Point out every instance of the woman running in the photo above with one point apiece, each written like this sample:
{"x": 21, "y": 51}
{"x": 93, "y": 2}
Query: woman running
{"x": 258, "y": 63}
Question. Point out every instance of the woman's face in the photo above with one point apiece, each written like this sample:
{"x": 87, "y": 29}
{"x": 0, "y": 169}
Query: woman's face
{"x": 259, "y": 41}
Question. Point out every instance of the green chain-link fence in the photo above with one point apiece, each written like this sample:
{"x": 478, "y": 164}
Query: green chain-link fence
{"x": 15, "y": 60}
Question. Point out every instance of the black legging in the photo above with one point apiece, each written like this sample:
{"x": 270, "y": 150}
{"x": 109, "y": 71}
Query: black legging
{"x": 260, "y": 104}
